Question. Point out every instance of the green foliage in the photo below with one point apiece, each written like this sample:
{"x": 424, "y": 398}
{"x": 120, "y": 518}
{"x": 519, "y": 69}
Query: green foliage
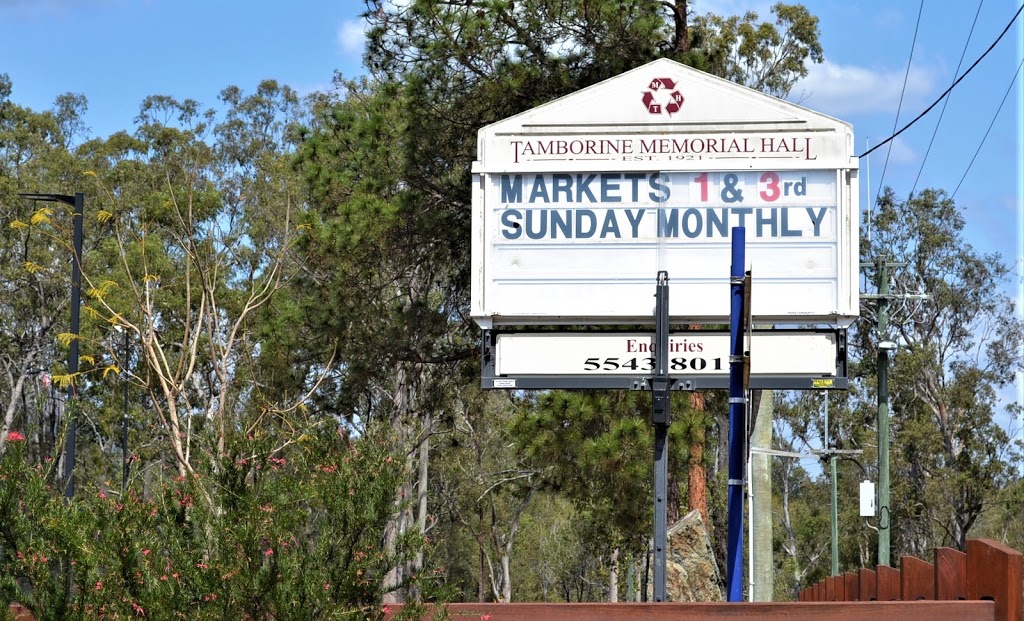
{"x": 596, "y": 448}
{"x": 766, "y": 57}
{"x": 292, "y": 533}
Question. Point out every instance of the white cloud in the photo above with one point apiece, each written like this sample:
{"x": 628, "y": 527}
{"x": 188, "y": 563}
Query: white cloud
{"x": 352, "y": 36}
{"x": 901, "y": 153}
{"x": 841, "y": 90}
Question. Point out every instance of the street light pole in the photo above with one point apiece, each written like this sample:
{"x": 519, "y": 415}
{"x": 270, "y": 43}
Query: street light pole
{"x": 78, "y": 203}
{"x": 834, "y": 500}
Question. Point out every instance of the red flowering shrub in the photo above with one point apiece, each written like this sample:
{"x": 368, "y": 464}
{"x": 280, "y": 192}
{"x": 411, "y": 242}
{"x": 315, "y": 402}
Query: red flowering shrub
{"x": 296, "y": 536}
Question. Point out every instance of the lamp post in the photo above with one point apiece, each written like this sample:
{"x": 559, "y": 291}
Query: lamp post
{"x": 78, "y": 202}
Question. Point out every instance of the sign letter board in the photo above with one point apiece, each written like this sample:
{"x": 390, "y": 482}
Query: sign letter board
{"x": 579, "y": 203}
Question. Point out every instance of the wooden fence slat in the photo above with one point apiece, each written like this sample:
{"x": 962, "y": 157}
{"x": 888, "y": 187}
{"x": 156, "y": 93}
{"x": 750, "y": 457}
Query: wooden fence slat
{"x": 830, "y": 589}
{"x": 950, "y": 574}
{"x": 852, "y": 587}
{"x": 840, "y": 586}
{"x": 917, "y": 579}
{"x": 888, "y": 583}
{"x": 819, "y": 591}
{"x": 994, "y": 572}
{"x": 868, "y": 585}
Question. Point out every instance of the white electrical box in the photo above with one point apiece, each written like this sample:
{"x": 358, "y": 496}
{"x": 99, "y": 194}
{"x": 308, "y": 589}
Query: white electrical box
{"x": 867, "y": 499}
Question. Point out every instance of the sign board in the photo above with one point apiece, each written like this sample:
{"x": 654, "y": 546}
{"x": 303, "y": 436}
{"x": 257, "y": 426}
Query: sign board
{"x": 797, "y": 359}
{"x": 579, "y": 203}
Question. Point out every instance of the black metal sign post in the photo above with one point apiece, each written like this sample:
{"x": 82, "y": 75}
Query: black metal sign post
{"x": 661, "y": 387}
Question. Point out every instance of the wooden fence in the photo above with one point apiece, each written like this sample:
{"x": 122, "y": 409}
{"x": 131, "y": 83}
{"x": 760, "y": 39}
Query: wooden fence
{"x": 989, "y": 571}
{"x": 982, "y": 585}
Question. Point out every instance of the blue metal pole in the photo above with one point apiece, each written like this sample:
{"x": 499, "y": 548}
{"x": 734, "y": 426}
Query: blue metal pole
{"x": 737, "y": 421}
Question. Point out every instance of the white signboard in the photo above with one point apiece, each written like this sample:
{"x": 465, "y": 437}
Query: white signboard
{"x": 578, "y": 205}
{"x": 772, "y": 353}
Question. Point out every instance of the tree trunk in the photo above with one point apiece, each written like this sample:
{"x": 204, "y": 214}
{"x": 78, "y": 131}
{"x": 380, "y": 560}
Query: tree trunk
{"x": 12, "y": 408}
{"x": 697, "y": 498}
{"x": 682, "y": 36}
{"x": 613, "y": 578}
{"x": 481, "y": 584}
{"x": 506, "y": 578}
{"x": 397, "y": 523}
{"x": 421, "y": 484}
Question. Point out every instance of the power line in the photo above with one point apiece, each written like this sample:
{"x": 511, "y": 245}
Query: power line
{"x": 948, "y": 90}
{"x": 985, "y": 137}
{"x": 899, "y": 107}
{"x": 942, "y": 112}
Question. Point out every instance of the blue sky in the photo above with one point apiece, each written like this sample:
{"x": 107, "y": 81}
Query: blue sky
{"x": 117, "y": 52}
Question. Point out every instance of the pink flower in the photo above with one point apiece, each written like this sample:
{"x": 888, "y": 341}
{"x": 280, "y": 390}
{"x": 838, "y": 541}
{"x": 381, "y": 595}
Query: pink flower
{"x": 486, "y": 617}
{"x": 386, "y": 609}
{"x": 14, "y": 436}
{"x": 99, "y": 585}
{"x": 269, "y": 552}
{"x": 145, "y": 552}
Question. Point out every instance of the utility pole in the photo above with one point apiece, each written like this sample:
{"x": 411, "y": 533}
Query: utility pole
{"x": 882, "y": 265}
{"x": 884, "y": 515}
{"x": 761, "y": 563}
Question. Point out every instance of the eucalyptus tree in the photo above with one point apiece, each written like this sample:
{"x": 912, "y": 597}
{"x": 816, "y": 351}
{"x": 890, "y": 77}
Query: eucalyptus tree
{"x": 198, "y": 218}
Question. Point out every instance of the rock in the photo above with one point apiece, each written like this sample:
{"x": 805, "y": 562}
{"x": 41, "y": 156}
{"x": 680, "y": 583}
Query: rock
{"x": 691, "y": 573}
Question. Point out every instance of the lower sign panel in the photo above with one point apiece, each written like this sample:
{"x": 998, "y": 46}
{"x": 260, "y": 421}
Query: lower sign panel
{"x": 783, "y": 359}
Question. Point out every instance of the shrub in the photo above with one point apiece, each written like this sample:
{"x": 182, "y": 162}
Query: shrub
{"x": 294, "y": 533}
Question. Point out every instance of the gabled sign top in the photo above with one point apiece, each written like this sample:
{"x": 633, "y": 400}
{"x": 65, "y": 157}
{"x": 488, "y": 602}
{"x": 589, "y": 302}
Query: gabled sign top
{"x": 666, "y": 95}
